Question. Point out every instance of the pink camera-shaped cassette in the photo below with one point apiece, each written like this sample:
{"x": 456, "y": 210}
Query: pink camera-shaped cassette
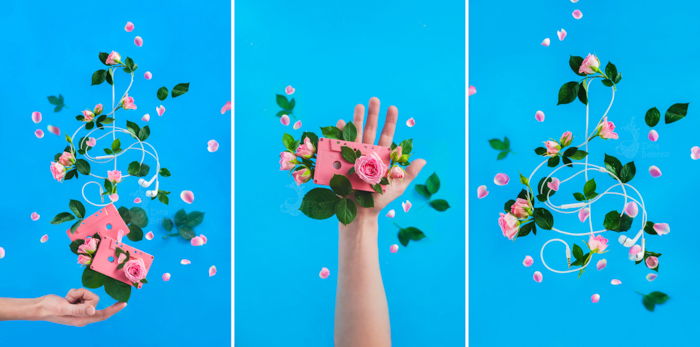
{"x": 106, "y": 222}
{"x": 106, "y": 262}
{"x": 330, "y": 162}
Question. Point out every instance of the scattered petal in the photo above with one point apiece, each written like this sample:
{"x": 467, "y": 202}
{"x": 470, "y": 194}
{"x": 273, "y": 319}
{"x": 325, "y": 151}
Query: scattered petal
{"x": 289, "y": 90}
{"x": 146, "y": 117}
{"x": 2, "y": 253}
{"x": 54, "y": 130}
{"x": 44, "y": 238}
{"x": 635, "y": 253}
{"x": 539, "y": 116}
{"x": 91, "y": 141}
{"x": 196, "y": 241}
{"x": 166, "y": 277}
{"x": 226, "y": 107}
{"x": 391, "y": 213}
{"x": 528, "y": 261}
{"x": 149, "y": 236}
{"x": 652, "y": 276}
{"x": 34, "y": 216}
{"x": 482, "y": 191}
{"x": 114, "y": 197}
{"x": 324, "y": 273}
{"x": 297, "y": 125}
{"x": 212, "y": 271}
{"x": 285, "y": 120}
{"x": 654, "y": 171}
{"x": 410, "y": 122}
{"x": 137, "y": 200}
{"x": 160, "y": 110}
{"x": 138, "y": 41}
{"x": 406, "y": 205}
{"x": 662, "y": 228}
{"x": 545, "y": 42}
{"x": 537, "y": 276}
{"x": 472, "y": 90}
{"x": 595, "y": 298}
{"x": 204, "y": 238}
{"x": 39, "y": 133}
{"x": 129, "y": 27}
{"x": 601, "y": 264}
{"x": 631, "y": 209}
{"x": 501, "y": 179}
{"x": 554, "y": 184}
{"x": 212, "y": 146}
{"x": 561, "y": 34}
{"x": 185, "y": 262}
{"x": 147, "y": 75}
{"x": 583, "y": 214}
{"x": 574, "y": 1}
{"x": 187, "y": 196}
{"x": 394, "y": 248}
{"x": 695, "y": 153}
{"x": 653, "y": 135}
{"x": 577, "y": 14}
{"x": 615, "y": 282}
{"x": 36, "y": 117}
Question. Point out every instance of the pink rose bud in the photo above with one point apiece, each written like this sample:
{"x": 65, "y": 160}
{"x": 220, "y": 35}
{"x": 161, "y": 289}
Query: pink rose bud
{"x": 66, "y": 159}
{"x": 306, "y": 150}
{"x": 553, "y": 148}
{"x": 36, "y": 117}
{"x": 583, "y": 214}
{"x": 58, "y": 171}
{"x": 615, "y": 282}
{"x": 577, "y": 14}
{"x": 128, "y": 103}
{"x": 606, "y": 130}
{"x": 653, "y": 135}
{"x": 528, "y": 261}
{"x": 411, "y": 122}
{"x": 301, "y": 176}
{"x": 394, "y": 248}
{"x": 539, "y": 116}
{"x": 537, "y": 277}
{"x": 98, "y": 108}
{"x": 34, "y": 216}
{"x": 651, "y": 277}
{"x": 187, "y": 196}
{"x": 370, "y": 168}
{"x": 509, "y": 225}
{"x": 324, "y": 273}
{"x": 391, "y": 213}
{"x": 654, "y": 171}
{"x": 91, "y": 142}
{"x": 662, "y": 228}
{"x": 545, "y": 42}
{"x": 166, "y": 277}
{"x": 566, "y": 138}
{"x": 147, "y": 75}
{"x": 138, "y": 41}
{"x": 595, "y": 298}
{"x": 289, "y": 90}
{"x": 554, "y": 184}
{"x": 501, "y": 179}
{"x": 597, "y": 244}
{"x": 396, "y": 154}
{"x": 406, "y": 206}
{"x": 631, "y": 209}
{"x": 396, "y": 173}
{"x": 652, "y": 262}
{"x": 601, "y": 264}
{"x": 561, "y": 34}
{"x": 129, "y": 27}
{"x": 212, "y": 146}
{"x": 114, "y": 176}
{"x": 212, "y": 271}
{"x": 522, "y": 208}
{"x": 589, "y": 65}
{"x": 296, "y": 125}
{"x": 84, "y": 260}
{"x": 472, "y": 90}
{"x": 113, "y": 58}
{"x": 89, "y": 246}
{"x": 287, "y": 160}
{"x": 134, "y": 270}
{"x": 482, "y": 191}
{"x": 39, "y": 133}
{"x": 285, "y": 120}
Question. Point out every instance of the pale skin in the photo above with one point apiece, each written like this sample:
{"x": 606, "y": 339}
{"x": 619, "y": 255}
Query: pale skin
{"x": 361, "y": 311}
{"x": 77, "y": 308}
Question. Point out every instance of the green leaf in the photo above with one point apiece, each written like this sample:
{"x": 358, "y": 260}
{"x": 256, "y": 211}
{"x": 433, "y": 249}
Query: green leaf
{"x": 164, "y": 172}
{"x": 116, "y": 146}
{"x": 613, "y": 165}
{"x": 377, "y": 188}
{"x": 181, "y": 218}
{"x": 162, "y": 93}
{"x": 118, "y": 290}
{"x": 406, "y": 146}
{"x": 341, "y": 185}
{"x": 332, "y": 132}
{"x": 614, "y": 221}
{"x": 77, "y": 207}
{"x": 138, "y": 216}
{"x": 180, "y": 89}
{"x": 502, "y": 155}
{"x": 676, "y": 112}
{"x": 578, "y": 155}
{"x": 422, "y": 189}
{"x": 319, "y": 203}
{"x": 498, "y": 144}
{"x": 195, "y": 218}
{"x": 125, "y": 214}
{"x": 575, "y": 64}
{"x": 144, "y": 133}
{"x": 611, "y": 72}
{"x": 654, "y": 298}
{"x": 589, "y": 189}
{"x": 103, "y": 57}
{"x": 348, "y": 154}
{"x": 410, "y": 234}
{"x": 553, "y": 161}
{"x": 582, "y": 93}
{"x": 75, "y": 244}
{"x": 652, "y": 117}
{"x": 133, "y": 128}
{"x": 579, "y": 197}
{"x": 433, "y": 183}
{"x": 289, "y": 142}
{"x": 283, "y": 102}
{"x": 544, "y": 218}
{"x": 648, "y": 303}
{"x": 527, "y": 228}
{"x": 82, "y": 166}
{"x": 62, "y": 218}
{"x": 135, "y": 233}
{"x": 440, "y": 204}
{"x": 568, "y": 92}
{"x": 167, "y": 224}
{"x": 364, "y": 199}
{"x": 524, "y": 180}
{"x": 163, "y": 196}
{"x": 186, "y": 232}
{"x": 109, "y": 76}
{"x": 98, "y": 77}
{"x": 350, "y": 132}
{"x": 92, "y": 279}
{"x": 627, "y": 172}
{"x": 540, "y": 151}
{"x": 75, "y": 226}
{"x": 649, "y": 228}
{"x": 577, "y": 252}
{"x": 346, "y": 211}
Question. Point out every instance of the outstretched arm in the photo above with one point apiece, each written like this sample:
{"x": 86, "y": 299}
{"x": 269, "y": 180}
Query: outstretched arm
{"x": 361, "y": 311}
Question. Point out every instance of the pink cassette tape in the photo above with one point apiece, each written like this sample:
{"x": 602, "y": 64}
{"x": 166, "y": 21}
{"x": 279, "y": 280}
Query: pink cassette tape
{"x": 106, "y": 222}
{"x": 105, "y": 259}
{"x": 330, "y": 162}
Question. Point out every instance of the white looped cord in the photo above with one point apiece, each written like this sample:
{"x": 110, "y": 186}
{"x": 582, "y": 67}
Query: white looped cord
{"x": 569, "y": 208}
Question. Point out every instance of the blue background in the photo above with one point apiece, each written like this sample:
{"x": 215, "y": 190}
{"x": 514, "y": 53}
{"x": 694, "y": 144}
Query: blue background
{"x": 651, "y": 44}
{"x": 409, "y": 54}
{"x": 51, "y": 47}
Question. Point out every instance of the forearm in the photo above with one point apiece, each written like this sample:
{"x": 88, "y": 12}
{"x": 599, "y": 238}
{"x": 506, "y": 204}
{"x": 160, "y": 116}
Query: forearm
{"x": 361, "y": 314}
{"x": 20, "y": 309}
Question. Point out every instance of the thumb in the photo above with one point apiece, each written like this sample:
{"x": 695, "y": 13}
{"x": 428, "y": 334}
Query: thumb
{"x": 79, "y": 310}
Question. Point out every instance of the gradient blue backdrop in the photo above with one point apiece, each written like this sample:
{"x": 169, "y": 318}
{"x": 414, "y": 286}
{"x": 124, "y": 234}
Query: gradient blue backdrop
{"x": 51, "y": 47}
{"x": 407, "y": 53}
{"x": 652, "y": 45}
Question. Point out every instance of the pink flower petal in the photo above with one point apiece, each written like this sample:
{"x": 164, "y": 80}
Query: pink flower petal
{"x": 187, "y": 196}
{"x": 545, "y": 42}
{"x": 635, "y": 253}
{"x": 662, "y": 228}
{"x": 394, "y": 248}
{"x": 297, "y": 125}
{"x": 554, "y": 184}
{"x": 539, "y": 116}
{"x": 36, "y": 117}
{"x": 528, "y": 261}
{"x": 577, "y": 14}
{"x": 631, "y": 209}
{"x": 501, "y": 179}
{"x": 146, "y": 117}
{"x": 54, "y": 130}
{"x": 226, "y": 107}
{"x": 652, "y": 276}
{"x": 601, "y": 264}
{"x": 138, "y": 41}
{"x": 537, "y": 276}
{"x": 406, "y": 205}
{"x": 185, "y": 262}
{"x": 166, "y": 277}
{"x": 212, "y": 146}
{"x": 147, "y": 75}
{"x": 160, "y": 110}
{"x": 324, "y": 273}
{"x": 695, "y": 153}
{"x": 410, "y": 122}
{"x": 149, "y": 236}
{"x": 574, "y": 1}
{"x": 137, "y": 200}
{"x": 285, "y": 120}
{"x": 561, "y": 34}
{"x": 472, "y": 90}
{"x": 583, "y": 214}
{"x": 212, "y": 271}
{"x": 289, "y": 90}
{"x": 391, "y": 213}
{"x": 204, "y": 238}
{"x": 196, "y": 241}
{"x": 39, "y": 133}
{"x": 114, "y": 197}
{"x": 34, "y": 216}
{"x": 2, "y": 253}
{"x": 482, "y": 191}
{"x": 91, "y": 142}
{"x": 654, "y": 171}
{"x": 653, "y": 135}
{"x": 44, "y": 238}
{"x": 595, "y": 298}
{"x": 615, "y": 282}
{"x": 129, "y": 27}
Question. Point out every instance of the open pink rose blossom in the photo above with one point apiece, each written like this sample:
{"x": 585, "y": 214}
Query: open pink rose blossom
{"x": 597, "y": 244}
{"x": 652, "y": 262}
{"x": 370, "y": 168}
{"x": 135, "y": 270}
{"x": 509, "y": 225}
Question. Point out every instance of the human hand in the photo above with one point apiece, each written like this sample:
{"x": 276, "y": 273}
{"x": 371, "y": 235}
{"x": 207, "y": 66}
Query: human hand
{"x": 76, "y": 309}
{"x": 368, "y": 135}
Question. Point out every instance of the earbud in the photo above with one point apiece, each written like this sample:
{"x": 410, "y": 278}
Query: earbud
{"x": 146, "y": 184}
{"x": 574, "y": 205}
{"x": 628, "y": 242}
{"x": 151, "y": 193}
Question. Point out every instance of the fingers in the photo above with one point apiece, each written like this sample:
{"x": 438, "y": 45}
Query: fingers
{"x": 413, "y": 170}
{"x": 340, "y": 124}
{"x": 370, "y": 131}
{"x": 82, "y": 295}
{"x": 387, "y": 136}
{"x": 358, "y": 120}
{"x": 108, "y": 312}
{"x": 77, "y": 310}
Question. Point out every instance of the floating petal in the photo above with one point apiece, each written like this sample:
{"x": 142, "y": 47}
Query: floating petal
{"x": 653, "y": 135}
{"x": 583, "y": 214}
{"x": 662, "y": 228}
{"x": 289, "y": 90}
{"x": 129, "y": 27}
{"x": 472, "y": 90}
{"x": 34, "y": 216}
{"x": 631, "y": 209}
{"x": 545, "y": 42}
{"x": 652, "y": 276}
{"x": 394, "y": 248}
{"x": 226, "y": 107}
{"x": 36, "y": 117}
{"x": 410, "y": 122}
{"x": 138, "y": 41}
{"x": 91, "y": 142}
{"x": 212, "y": 271}
{"x": 297, "y": 125}
{"x": 615, "y": 282}
{"x": 39, "y": 133}
{"x": 196, "y": 241}
{"x": 528, "y": 261}
{"x": 166, "y": 277}
{"x": 146, "y": 117}
{"x": 595, "y": 298}
{"x": 149, "y": 235}
{"x": 537, "y": 276}
{"x": 539, "y": 116}
{"x": 285, "y": 120}
{"x": 187, "y": 196}
{"x": 501, "y": 179}
{"x": 695, "y": 153}
{"x": 324, "y": 273}
{"x": 44, "y": 238}
{"x": 2, "y": 253}
{"x": 185, "y": 262}
{"x": 391, "y": 213}
{"x": 147, "y": 75}
{"x": 577, "y": 14}
{"x": 654, "y": 171}
{"x": 54, "y": 130}
{"x": 554, "y": 184}
{"x": 561, "y": 34}
{"x": 137, "y": 200}
{"x": 160, "y": 110}
{"x": 482, "y": 191}
{"x": 212, "y": 146}
{"x": 601, "y": 264}
{"x": 406, "y": 205}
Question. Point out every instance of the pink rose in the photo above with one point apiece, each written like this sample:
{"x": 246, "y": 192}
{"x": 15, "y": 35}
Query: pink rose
{"x": 301, "y": 176}
{"x": 521, "y": 208}
{"x": 396, "y": 154}
{"x": 370, "y": 168}
{"x": 58, "y": 171}
{"x": 84, "y": 260}
{"x": 566, "y": 138}
{"x": 98, "y": 109}
{"x": 597, "y": 244}
{"x": 89, "y": 246}
{"x": 113, "y": 58}
{"x": 287, "y": 161}
{"x": 306, "y": 150}
{"x": 509, "y": 225}
{"x": 590, "y": 65}
{"x": 553, "y": 148}
{"x": 66, "y": 159}
{"x": 135, "y": 270}
{"x": 88, "y": 116}
{"x": 114, "y": 176}
{"x": 652, "y": 262}
{"x": 128, "y": 103}
{"x": 606, "y": 129}
{"x": 396, "y": 173}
